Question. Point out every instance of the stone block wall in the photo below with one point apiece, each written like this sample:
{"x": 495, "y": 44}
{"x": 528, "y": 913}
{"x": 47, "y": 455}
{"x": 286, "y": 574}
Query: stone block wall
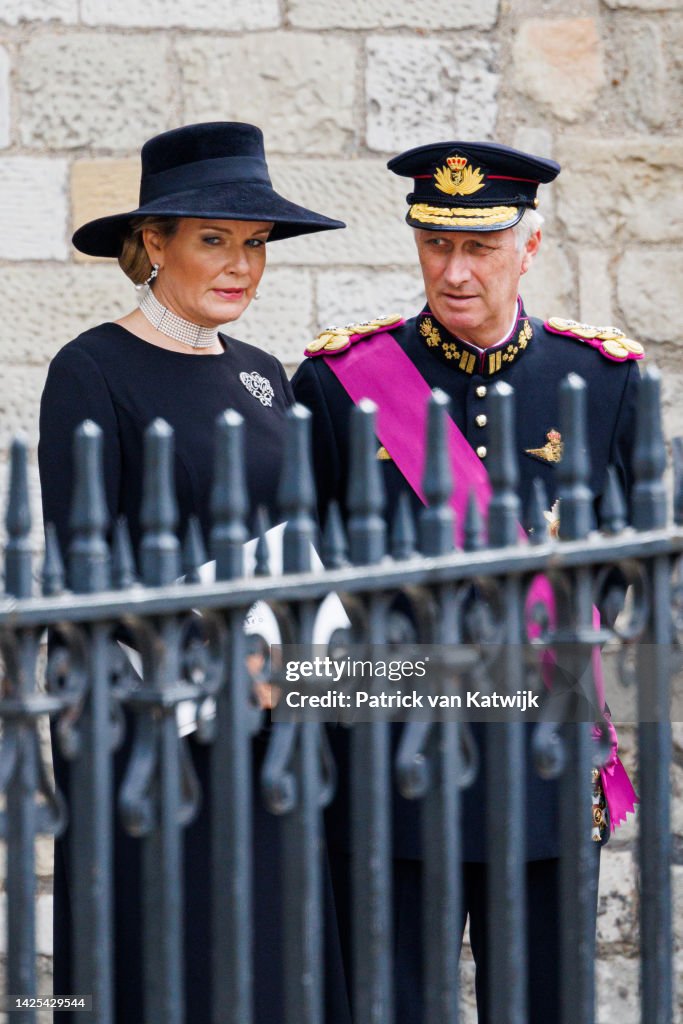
{"x": 338, "y": 89}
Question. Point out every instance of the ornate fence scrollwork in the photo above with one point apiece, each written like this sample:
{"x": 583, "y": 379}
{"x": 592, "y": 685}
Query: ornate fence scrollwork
{"x": 149, "y": 689}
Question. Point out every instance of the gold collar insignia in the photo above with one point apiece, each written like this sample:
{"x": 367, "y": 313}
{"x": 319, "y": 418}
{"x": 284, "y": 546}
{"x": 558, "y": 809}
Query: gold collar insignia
{"x": 551, "y": 450}
{"x": 451, "y": 350}
{"x": 460, "y": 355}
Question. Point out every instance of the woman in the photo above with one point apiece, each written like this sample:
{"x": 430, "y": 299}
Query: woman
{"x": 197, "y": 246}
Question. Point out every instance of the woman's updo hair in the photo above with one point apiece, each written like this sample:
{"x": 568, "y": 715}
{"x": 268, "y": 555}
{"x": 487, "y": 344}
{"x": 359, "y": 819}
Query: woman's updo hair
{"x": 133, "y": 258}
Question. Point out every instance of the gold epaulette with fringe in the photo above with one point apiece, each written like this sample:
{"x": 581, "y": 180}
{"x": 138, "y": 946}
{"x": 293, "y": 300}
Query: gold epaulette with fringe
{"x": 610, "y": 341}
{"x": 334, "y": 340}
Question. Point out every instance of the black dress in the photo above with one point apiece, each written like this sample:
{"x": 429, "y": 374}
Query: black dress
{"x": 123, "y": 383}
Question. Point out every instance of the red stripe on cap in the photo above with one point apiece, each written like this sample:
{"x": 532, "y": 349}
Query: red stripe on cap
{"x": 506, "y": 177}
{"x": 490, "y": 177}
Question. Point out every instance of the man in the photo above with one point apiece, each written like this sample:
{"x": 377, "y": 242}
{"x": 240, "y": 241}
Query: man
{"x": 477, "y": 232}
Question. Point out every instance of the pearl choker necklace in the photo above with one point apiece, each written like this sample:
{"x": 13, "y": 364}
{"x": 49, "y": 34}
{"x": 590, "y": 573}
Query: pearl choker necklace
{"x": 174, "y": 326}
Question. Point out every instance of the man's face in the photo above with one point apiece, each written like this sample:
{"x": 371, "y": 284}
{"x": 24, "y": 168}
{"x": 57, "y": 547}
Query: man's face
{"x": 472, "y": 279}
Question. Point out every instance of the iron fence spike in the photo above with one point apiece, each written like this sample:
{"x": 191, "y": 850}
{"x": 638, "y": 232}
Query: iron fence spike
{"x": 573, "y": 470}
{"x": 649, "y": 456}
{"x": 18, "y": 558}
{"x": 335, "y": 551}
{"x": 296, "y": 492}
{"x": 535, "y": 520}
{"x": 52, "y": 575}
{"x": 504, "y": 512}
{"x": 367, "y": 529}
{"x": 89, "y": 567}
{"x": 160, "y": 549}
{"x": 403, "y": 535}
{"x": 123, "y": 568}
{"x": 194, "y": 552}
{"x": 436, "y": 519}
{"x": 612, "y": 504}
{"x": 229, "y": 499}
{"x": 262, "y": 555}
{"x": 677, "y": 455}
{"x": 473, "y": 536}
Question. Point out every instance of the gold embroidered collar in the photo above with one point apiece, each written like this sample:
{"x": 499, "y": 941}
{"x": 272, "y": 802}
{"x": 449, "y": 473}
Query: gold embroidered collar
{"x": 468, "y": 358}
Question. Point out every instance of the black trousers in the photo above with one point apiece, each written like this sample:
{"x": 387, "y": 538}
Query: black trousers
{"x": 542, "y": 919}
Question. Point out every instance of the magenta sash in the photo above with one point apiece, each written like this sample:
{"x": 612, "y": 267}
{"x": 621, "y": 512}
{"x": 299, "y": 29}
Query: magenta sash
{"x": 402, "y": 424}
{"x": 401, "y": 396}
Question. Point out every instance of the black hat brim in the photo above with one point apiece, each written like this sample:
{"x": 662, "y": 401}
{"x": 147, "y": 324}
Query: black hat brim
{"x": 248, "y": 201}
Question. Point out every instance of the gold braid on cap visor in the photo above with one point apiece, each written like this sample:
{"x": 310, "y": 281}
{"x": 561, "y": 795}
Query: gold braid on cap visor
{"x": 462, "y": 216}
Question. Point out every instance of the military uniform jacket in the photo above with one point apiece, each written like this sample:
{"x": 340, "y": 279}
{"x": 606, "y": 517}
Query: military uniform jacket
{"x": 533, "y": 360}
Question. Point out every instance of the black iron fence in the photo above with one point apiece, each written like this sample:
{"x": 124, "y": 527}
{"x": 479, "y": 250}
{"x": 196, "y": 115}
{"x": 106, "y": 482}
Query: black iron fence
{"x": 190, "y": 640}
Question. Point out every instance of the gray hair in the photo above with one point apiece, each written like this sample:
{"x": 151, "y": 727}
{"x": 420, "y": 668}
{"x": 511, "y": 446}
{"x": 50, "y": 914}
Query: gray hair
{"x": 526, "y": 227}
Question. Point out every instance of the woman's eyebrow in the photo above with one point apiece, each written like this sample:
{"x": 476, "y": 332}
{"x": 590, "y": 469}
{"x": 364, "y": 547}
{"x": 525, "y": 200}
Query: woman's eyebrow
{"x": 228, "y": 231}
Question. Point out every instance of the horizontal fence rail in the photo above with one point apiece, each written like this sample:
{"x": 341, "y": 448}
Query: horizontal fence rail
{"x": 186, "y": 652}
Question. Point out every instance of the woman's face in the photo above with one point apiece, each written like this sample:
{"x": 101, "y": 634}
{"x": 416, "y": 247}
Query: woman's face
{"x": 209, "y": 269}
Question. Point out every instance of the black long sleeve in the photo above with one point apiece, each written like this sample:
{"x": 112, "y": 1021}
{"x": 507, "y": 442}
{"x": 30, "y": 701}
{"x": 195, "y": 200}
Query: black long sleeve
{"x": 75, "y": 391}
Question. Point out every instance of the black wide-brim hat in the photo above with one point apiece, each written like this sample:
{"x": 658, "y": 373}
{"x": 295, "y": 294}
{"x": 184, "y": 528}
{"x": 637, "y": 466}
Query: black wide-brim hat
{"x": 471, "y": 186}
{"x": 215, "y": 170}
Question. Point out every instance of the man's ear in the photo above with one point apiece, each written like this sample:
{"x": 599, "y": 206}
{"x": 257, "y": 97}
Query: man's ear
{"x": 530, "y": 250}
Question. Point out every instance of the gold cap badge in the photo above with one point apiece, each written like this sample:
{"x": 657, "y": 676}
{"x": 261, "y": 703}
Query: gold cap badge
{"x": 458, "y": 178}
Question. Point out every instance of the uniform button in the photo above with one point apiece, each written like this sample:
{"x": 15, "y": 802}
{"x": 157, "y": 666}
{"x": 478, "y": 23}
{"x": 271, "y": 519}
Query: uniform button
{"x": 481, "y": 391}
{"x": 481, "y": 451}
{"x": 481, "y": 420}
